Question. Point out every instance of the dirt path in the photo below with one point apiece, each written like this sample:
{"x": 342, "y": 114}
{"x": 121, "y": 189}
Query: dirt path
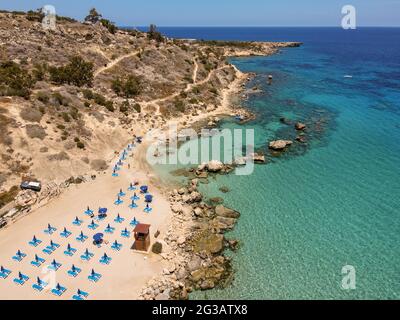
{"x": 115, "y": 62}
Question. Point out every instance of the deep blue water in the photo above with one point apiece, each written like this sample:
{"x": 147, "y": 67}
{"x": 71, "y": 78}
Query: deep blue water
{"x": 335, "y": 200}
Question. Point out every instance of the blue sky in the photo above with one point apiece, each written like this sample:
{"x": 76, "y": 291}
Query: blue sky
{"x": 223, "y": 12}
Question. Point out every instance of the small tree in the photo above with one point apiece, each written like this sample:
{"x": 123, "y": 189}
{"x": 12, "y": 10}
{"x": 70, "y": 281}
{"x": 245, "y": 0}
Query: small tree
{"x": 78, "y": 72}
{"x": 93, "y": 16}
{"x": 128, "y": 88}
{"x": 154, "y": 34}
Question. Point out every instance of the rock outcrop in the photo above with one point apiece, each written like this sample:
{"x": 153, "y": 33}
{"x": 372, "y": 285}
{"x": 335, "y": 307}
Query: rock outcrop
{"x": 280, "y": 145}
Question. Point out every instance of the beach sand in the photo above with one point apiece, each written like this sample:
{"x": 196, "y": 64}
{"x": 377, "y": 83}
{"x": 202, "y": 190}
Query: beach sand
{"x": 128, "y": 271}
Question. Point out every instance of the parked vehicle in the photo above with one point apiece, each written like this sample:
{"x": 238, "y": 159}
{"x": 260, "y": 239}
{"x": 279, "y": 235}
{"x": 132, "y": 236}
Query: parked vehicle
{"x": 31, "y": 185}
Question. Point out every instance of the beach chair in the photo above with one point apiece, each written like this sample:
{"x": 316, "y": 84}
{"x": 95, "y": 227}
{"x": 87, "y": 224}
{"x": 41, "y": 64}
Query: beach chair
{"x": 121, "y": 193}
{"x": 86, "y": 256}
{"x": 88, "y": 212}
{"x": 54, "y": 265}
{"x": 37, "y": 262}
{"x": 53, "y": 246}
{"x": 116, "y": 246}
{"x": 39, "y": 285}
{"x": 80, "y": 295}
{"x": 21, "y": 279}
{"x": 147, "y": 209}
{"x": 19, "y": 256}
{"x": 135, "y": 197}
{"x": 119, "y": 219}
{"x": 70, "y": 251}
{"x": 134, "y": 222}
{"x": 65, "y": 233}
{"x": 93, "y": 225}
{"x": 115, "y": 174}
{"x": 131, "y": 187}
{"x": 35, "y": 242}
{"x": 77, "y": 222}
{"x": 58, "y": 290}
{"x": 125, "y": 233}
{"x": 105, "y": 259}
{"x": 118, "y": 201}
{"x": 81, "y": 238}
{"x": 4, "y": 273}
{"x": 94, "y": 277}
{"x": 74, "y": 271}
{"x": 50, "y": 230}
{"x": 133, "y": 205}
{"x": 109, "y": 229}
{"x": 47, "y": 251}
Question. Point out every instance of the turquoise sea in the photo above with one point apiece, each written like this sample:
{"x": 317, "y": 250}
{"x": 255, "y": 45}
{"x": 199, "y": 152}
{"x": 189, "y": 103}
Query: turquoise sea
{"x": 335, "y": 200}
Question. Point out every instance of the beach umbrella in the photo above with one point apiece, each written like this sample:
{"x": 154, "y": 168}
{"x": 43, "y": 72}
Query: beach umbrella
{"x": 79, "y": 292}
{"x": 65, "y": 230}
{"x": 73, "y": 268}
{"x": 98, "y": 237}
{"x": 54, "y": 263}
{"x": 19, "y": 253}
{"x": 20, "y": 275}
{"x": 76, "y": 219}
{"x": 148, "y": 198}
{"x": 49, "y": 226}
{"x": 36, "y": 258}
{"x": 93, "y": 273}
{"x": 39, "y": 281}
{"x": 34, "y": 239}
{"x": 52, "y": 243}
{"x": 82, "y": 234}
{"x": 2, "y": 269}
{"x": 87, "y": 252}
{"x": 58, "y": 287}
{"x": 144, "y": 189}
{"x": 69, "y": 247}
{"x": 105, "y": 256}
{"x": 103, "y": 210}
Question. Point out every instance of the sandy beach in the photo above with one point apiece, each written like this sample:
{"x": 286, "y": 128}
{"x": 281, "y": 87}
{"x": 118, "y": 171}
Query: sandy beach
{"x": 128, "y": 270}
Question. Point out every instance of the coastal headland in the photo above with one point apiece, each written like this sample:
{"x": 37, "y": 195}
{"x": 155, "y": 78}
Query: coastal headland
{"x": 78, "y": 96}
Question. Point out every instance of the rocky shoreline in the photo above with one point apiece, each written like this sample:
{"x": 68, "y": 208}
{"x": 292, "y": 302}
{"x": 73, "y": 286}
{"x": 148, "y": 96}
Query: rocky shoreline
{"x": 193, "y": 247}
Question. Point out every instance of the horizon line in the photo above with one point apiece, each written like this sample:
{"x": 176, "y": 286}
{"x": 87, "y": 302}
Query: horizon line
{"x": 255, "y": 26}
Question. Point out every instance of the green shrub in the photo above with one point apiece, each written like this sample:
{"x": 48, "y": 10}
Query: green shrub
{"x": 109, "y": 25}
{"x": 179, "y": 105}
{"x": 43, "y": 97}
{"x": 77, "y": 72}
{"x": 88, "y": 94}
{"x": 137, "y": 107}
{"x": 128, "y": 88}
{"x": 80, "y": 145}
{"x": 153, "y": 34}
{"x": 14, "y": 80}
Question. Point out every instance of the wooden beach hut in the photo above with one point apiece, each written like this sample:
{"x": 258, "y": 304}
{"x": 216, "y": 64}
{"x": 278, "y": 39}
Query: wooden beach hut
{"x": 142, "y": 237}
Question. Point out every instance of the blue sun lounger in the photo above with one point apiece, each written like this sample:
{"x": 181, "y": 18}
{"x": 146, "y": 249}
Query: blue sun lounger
{"x": 19, "y": 256}
{"x": 50, "y": 230}
{"x": 53, "y": 246}
{"x": 37, "y": 262}
{"x": 109, "y": 229}
{"x": 21, "y": 279}
{"x": 116, "y": 246}
{"x": 58, "y": 290}
{"x": 147, "y": 209}
{"x": 80, "y": 295}
{"x": 47, "y": 251}
{"x": 119, "y": 219}
{"x": 135, "y": 197}
{"x": 94, "y": 277}
{"x": 115, "y": 174}
{"x": 105, "y": 259}
{"x": 70, "y": 251}
{"x": 87, "y": 255}
{"x": 77, "y": 222}
{"x": 125, "y": 233}
{"x": 133, "y": 205}
{"x": 81, "y": 237}
{"x": 4, "y": 273}
{"x": 88, "y": 212}
{"x": 118, "y": 201}
{"x": 74, "y": 271}
{"x": 54, "y": 265}
{"x": 39, "y": 285}
{"x": 132, "y": 187}
{"x": 35, "y": 242}
{"x": 121, "y": 193}
{"x": 134, "y": 222}
{"x": 93, "y": 225}
{"x": 65, "y": 233}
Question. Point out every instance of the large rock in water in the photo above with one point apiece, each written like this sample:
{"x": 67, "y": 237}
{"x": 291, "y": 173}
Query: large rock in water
{"x": 226, "y": 212}
{"x": 215, "y": 166}
{"x": 300, "y": 126}
{"x": 280, "y": 144}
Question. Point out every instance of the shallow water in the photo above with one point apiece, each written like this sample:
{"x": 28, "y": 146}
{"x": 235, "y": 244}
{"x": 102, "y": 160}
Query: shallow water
{"x": 334, "y": 201}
